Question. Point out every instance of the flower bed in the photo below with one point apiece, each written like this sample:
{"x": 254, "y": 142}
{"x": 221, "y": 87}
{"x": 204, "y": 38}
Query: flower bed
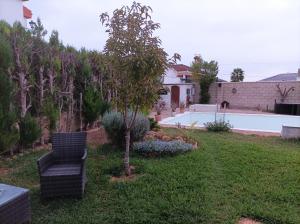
{"x": 158, "y": 147}
{"x": 152, "y": 135}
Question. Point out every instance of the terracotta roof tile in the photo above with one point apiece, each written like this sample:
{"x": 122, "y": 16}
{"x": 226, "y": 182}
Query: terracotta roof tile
{"x": 181, "y": 68}
{"x": 27, "y": 12}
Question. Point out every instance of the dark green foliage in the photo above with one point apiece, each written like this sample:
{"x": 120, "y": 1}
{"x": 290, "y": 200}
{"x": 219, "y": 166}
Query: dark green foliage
{"x": 105, "y": 107}
{"x": 29, "y": 131}
{"x": 205, "y": 73}
{"x": 93, "y": 105}
{"x": 153, "y": 124}
{"x": 237, "y": 75}
{"x": 5, "y": 53}
{"x": 205, "y": 83}
{"x": 218, "y": 126}
{"x": 161, "y": 148}
{"x": 51, "y": 111}
{"x": 9, "y": 134}
{"x": 113, "y": 123}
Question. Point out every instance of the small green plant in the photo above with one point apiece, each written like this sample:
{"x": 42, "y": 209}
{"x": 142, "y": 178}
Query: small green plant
{"x": 218, "y": 126}
{"x": 93, "y": 105}
{"x": 153, "y": 124}
{"x": 114, "y": 126}
{"x": 52, "y": 113}
{"x": 160, "y": 148}
{"x": 29, "y": 131}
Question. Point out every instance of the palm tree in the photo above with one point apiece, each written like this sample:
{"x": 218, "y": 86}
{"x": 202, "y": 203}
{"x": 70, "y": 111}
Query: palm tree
{"x": 237, "y": 75}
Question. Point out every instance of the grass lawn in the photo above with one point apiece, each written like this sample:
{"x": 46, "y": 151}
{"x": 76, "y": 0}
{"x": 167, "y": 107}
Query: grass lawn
{"x": 230, "y": 176}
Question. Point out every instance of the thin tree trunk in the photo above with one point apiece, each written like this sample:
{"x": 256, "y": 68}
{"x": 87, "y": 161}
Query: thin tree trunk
{"x": 51, "y": 81}
{"x": 80, "y": 112}
{"x": 126, "y": 156}
{"x": 60, "y": 105}
{"x": 23, "y": 93}
{"x": 41, "y": 88}
{"x": 42, "y": 140}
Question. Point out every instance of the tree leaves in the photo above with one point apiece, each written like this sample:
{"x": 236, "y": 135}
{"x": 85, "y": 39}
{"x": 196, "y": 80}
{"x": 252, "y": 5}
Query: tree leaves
{"x": 237, "y": 75}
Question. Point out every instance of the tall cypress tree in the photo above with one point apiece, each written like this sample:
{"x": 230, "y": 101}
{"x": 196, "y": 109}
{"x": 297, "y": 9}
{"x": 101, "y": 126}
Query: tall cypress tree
{"x": 8, "y": 132}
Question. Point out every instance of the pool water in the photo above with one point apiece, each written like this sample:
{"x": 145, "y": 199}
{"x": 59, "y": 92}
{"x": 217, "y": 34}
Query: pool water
{"x": 249, "y": 122}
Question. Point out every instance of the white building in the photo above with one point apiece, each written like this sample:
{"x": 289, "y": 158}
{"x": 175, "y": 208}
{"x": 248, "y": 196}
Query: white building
{"x": 14, "y": 10}
{"x": 178, "y": 85}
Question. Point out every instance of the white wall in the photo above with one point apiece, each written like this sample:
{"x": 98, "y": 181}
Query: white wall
{"x": 171, "y": 77}
{"x": 167, "y": 99}
{"x": 12, "y": 11}
{"x": 182, "y": 94}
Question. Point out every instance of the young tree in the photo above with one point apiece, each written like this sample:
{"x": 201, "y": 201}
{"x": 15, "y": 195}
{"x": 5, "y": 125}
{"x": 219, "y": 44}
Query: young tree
{"x": 38, "y": 70}
{"x": 54, "y": 62}
{"x": 22, "y": 42}
{"x": 237, "y": 75}
{"x": 39, "y": 58}
{"x": 8, "y": 132}
{"x": 205, "y": 73}
{"x": 93, "y": 105}
{"x": 66, "y": 83}
{"x": 100, "y": 74}
{"x": 137, "y": 62}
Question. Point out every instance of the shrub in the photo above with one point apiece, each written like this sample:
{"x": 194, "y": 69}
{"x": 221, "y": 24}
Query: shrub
{"x": 153, "y": 124}
{"x": 29, "y": 131}
{"x": 9, "y": 134}
{"x": 114, "y": 126}
{"x": 52, "y": 113}
{"x": 105, "y": 107}
{"x": 93, "y": 105}
{"x": 159, "y": 147}
{"x": 218, "y": 126}
{"x": 5, "y": 53}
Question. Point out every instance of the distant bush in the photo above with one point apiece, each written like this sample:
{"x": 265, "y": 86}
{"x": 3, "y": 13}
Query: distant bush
{"x": 9, "y": 134}
{"x": 51, "y": 112}
{"x": 218, "y": 126}
{"x": 114, "y": 126}
{"x": 159, "y": 147}
{"x": 29, "y": 131}
{"x": 93, "y": 105}
{"x": 153, "y": 124}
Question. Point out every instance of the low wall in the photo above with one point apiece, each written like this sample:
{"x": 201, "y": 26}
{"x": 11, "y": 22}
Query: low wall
{"x": 253, "y": 95}
{"x": 290, "y": 132}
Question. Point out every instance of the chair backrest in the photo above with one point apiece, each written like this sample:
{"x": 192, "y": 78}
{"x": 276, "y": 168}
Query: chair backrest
{"x": 68, "y": 146}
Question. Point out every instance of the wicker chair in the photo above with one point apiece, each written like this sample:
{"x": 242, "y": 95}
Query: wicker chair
{"x": 62, "y": 171}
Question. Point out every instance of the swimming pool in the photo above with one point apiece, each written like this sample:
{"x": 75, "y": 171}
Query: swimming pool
{"x": 248, "y": 122}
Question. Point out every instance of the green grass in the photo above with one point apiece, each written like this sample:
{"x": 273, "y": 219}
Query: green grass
{"x": 230, "y": 176}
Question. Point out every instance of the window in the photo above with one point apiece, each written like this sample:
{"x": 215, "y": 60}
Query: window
{"x": 188, "y": 92}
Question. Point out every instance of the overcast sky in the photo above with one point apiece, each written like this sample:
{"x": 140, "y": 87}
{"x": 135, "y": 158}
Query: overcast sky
{"x": 260, "y": 36}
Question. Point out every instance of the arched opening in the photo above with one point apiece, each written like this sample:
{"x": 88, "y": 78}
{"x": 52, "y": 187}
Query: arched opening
{"x": 175, "y": 93}
{"x": 225, "y": 104}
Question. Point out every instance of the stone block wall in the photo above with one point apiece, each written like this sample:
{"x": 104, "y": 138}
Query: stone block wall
{"x": 253, "y": 95}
